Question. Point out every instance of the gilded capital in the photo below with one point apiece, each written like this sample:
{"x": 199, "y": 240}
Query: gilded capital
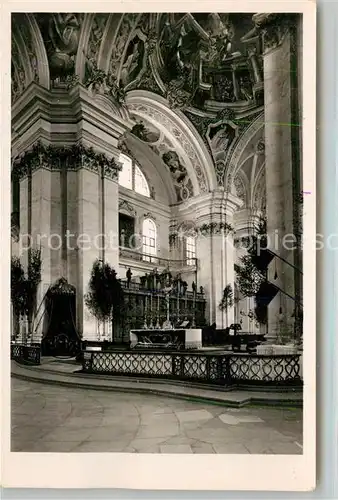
{"x": 272, "y": 28}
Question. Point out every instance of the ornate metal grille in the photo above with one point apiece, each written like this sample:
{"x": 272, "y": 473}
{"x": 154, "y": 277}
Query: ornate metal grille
{"x": 26, "y": 354}
{"x": 265, "y": 368}
{"x": 220, "y": 369}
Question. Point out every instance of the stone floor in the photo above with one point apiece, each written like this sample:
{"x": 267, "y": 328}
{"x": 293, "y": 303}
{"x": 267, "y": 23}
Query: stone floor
{"x": 59, "y": 419}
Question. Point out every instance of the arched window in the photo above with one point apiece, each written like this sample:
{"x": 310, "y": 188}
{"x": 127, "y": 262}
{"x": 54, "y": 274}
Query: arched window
{"x": 132, "y": 177}
{"x": 149, "y": 239}
{"x": 190, "y": 250}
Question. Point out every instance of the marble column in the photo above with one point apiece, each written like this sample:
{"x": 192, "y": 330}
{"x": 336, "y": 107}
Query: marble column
{"x": 97, "y": 235}
{"x": 216, "y": 253}
{"x": 87, "y": 247}
{"x": 41, "y": 231}
{"x": 110, "y": 229}
{"x": 277, "y": 39}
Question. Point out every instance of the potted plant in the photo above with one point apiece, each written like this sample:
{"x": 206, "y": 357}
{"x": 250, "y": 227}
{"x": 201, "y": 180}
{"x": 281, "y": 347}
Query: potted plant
{"x": 24, "y": 290}
{"x": 105, "y": 294}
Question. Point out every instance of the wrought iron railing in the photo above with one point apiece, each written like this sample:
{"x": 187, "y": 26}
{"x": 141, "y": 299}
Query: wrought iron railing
{"x": 26, "y": 354}
{"x": 127, "y": 253}
{"x": 220, "y": 369}
{"x": 139, "y": 287}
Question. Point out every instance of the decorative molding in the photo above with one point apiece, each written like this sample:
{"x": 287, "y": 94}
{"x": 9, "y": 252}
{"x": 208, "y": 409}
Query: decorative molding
{"x": 231, "y": 165}
{"x": 57, "y": 158}
{"x": 204, "y": 123}
{"x": 127, "y": 207}
{"x": 226, "y": 115}
{"x": 18, "y": 72}
{"x": 240, "y": 188}
{"x": 272, "y": 28}
{"x": 163, "y": 119}
{"x": 260, "y": 146}
{"x": 259, "y": 195}
{"x": 98, "y": 26}
{"x": 179, "y": 175}
{"x": 98, "y": 81}
{"x": 215, "y": 228}
{"x": 27, "y": 37}
{"x": 62, "y": 287}
{"x": 121, "y": 42}
{"x": 148, "y": 215}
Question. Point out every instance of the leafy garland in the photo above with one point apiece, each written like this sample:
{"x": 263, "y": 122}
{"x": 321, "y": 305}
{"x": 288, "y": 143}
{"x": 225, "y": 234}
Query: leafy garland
{"x": 24, "y": 288}
{"x": 215, "y": 228}
{"x": 72, "y": 157}
{"x": 105, "y": 294}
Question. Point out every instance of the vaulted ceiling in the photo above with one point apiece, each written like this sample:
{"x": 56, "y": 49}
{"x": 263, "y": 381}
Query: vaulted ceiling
{"x": 197, "y": 63}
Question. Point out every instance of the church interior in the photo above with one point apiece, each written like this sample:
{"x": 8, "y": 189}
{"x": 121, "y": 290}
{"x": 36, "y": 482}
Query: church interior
{"x": 160, "y": 152}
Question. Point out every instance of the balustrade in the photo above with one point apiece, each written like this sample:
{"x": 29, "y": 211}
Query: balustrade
{"x": 219, "y": 369}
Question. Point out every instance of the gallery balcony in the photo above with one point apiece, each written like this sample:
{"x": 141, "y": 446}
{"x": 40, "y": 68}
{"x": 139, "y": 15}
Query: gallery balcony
{"x": 149, "y": 261}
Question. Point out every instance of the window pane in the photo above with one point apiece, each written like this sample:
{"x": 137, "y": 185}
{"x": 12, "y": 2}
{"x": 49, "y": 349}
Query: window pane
{"x": 149, "y": 239}
{"x": 125, "y": 176}
{"x": 141, "y": 184}
{"x": 190, "y": 250}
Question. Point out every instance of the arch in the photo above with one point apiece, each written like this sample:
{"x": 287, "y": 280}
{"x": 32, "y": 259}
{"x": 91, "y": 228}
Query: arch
{"x": 132, "y": 177}
{"x": 40, "y": 50}
{"x": 108, "y": 41}
{"x": 185, "y": 138}
{"x": 27, "y": 36}
{"x": 114, "y": 47}
{"x": 20, "y": 57}
{"x": 259, "y": 191}
{"x": 108, "y": 102}
{"x": 141, "y": 185}
{"x": 80, "y": 61}
{"x": 158, "y": 177}
{"x": 241, "y": 188}
{"x": 242, "y": 151}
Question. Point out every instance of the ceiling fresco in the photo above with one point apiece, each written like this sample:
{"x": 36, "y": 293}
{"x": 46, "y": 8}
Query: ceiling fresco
{"x": 203, "y": 64}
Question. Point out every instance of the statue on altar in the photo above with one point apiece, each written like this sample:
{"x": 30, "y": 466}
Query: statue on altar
{"x": 128, "y": 276}
{"x": 167, "y": 324}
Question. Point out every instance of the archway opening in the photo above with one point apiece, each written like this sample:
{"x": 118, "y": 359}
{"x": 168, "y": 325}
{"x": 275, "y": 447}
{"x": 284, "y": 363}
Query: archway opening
{"x": 61, "y": 337}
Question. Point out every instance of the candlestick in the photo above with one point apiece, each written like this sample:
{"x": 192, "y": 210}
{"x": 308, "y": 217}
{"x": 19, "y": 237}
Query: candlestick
{"x": 158, "y": 312}
{"x": 193, "y": 309}
{"x": 145, "y": 326}
{"x": 151, "y": 311}
{"x": 178, "y": 307}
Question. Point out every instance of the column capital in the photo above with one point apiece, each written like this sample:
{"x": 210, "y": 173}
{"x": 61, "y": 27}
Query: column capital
{"x": 272, "y": 28}
{"x": 214, "y": 212}
{"x": 56, "y": 158}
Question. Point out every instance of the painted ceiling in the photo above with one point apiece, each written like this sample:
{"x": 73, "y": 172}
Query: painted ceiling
{"x": 199, "y": 62}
